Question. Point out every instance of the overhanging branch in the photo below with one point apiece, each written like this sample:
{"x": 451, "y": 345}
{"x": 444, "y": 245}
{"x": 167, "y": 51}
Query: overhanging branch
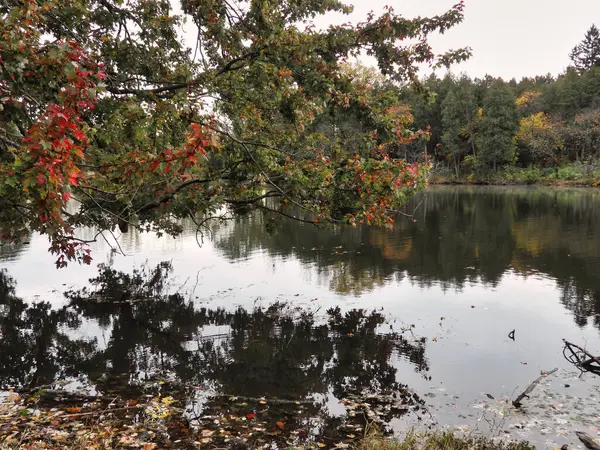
{"x": 10, "y": 142}
{"x": 171, "y": 195}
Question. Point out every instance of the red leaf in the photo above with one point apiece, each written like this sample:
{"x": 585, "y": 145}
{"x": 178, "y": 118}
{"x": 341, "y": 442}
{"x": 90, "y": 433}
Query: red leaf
{"x": 250, "y": 416}
{"x": 80, "y": 135}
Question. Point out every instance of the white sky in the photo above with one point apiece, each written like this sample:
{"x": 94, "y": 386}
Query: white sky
{"x": 509, "y": 38}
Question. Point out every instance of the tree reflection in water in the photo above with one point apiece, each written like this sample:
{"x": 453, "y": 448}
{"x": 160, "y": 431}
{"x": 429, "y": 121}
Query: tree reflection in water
{"x": 298, "y": 362}
{"x": 461, "y": 235}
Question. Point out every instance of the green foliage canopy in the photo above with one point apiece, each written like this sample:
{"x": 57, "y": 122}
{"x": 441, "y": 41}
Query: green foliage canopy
{"x": 102, "y": 102}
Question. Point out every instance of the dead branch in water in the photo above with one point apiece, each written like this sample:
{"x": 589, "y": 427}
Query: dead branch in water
{"x": 581, "y": 358}
{"x": 587, "y": 440}
{"x": 517, "y": 402}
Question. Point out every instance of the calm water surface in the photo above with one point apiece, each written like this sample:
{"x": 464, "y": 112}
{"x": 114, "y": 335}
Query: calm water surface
{"x": 428, "y": 306}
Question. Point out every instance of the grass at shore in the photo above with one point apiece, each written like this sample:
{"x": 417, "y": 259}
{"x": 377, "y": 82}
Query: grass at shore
{"x": 438, "y": 441}
{"x": 569, "y": 175}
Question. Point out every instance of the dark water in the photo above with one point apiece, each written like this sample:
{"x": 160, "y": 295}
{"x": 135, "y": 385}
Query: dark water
{"x": 415, "y": 321}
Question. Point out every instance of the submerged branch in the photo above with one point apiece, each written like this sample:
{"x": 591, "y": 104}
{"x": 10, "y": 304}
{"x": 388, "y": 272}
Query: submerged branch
{"x": 517, "y": 402}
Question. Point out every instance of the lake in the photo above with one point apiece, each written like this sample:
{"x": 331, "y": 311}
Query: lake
{"x": 319, "y": 321}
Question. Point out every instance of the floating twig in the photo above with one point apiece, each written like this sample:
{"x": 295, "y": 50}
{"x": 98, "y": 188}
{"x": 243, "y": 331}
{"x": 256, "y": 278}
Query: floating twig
{"x": 517, "y": 402}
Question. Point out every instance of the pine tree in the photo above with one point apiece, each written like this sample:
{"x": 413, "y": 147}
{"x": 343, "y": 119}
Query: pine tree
{"x": 458, "y": 116}
{"x": 499, "y": 125}
{"x": 586, "y": 54}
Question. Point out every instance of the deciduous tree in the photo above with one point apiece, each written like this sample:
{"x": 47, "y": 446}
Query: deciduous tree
{"x": 102, "y": 102}
{"x": 541, "y": 136}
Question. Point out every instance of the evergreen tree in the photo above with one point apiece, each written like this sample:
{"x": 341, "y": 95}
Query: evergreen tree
{"x": 586, "y": 54}
{"x": 499, "y": 125}
{"x": 458, "y": 118}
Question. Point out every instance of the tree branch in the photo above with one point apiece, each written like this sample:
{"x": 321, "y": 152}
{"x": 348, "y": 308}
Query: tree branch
{"x": 171, "y": 195}
{"x": 230, "y": 66}
{"x": 9, "y": 142}
{"x": 289, "y": 216}
{"x": 271, "y": 194}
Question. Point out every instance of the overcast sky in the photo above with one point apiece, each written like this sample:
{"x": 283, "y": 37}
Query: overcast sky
{"x": 509, "y": 38}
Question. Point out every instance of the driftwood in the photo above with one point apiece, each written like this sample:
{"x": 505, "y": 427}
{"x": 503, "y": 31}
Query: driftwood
{"x": 587, "y": 440}
{"x": 581, "y": 358}
{"x": 517, "y": 402}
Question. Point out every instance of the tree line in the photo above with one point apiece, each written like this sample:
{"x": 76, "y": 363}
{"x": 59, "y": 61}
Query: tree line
{"x": 483, "y": 125}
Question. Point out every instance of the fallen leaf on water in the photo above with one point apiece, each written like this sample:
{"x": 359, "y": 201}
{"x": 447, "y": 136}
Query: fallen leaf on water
{"x": 320, "y": 444}
{"x": 281, "y": 425}
{"x": 351, "y": 436}
{"x": 250, "y": 416}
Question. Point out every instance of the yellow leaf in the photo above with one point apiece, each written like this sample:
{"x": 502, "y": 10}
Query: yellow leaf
{"x": 320, "y": 444}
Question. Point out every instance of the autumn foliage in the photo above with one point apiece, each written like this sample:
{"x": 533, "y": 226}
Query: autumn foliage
{"x": 109, "y": 120}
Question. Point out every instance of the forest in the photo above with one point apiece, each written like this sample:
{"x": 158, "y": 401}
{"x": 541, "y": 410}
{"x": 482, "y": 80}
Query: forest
{"x": 545, "y": 127}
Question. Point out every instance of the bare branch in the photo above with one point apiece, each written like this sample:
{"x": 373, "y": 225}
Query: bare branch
{"x": 289, "y": 216}
{"x": 171, "y": 195}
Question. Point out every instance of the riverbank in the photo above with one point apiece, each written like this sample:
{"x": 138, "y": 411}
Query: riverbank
{"x": 571, "y": 175}
{"x": 48, "y": 421}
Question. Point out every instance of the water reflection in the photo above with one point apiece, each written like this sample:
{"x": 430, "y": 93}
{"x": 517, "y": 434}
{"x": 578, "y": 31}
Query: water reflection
{"x": 526, "y": 259}
{"x": 462, "y": 235}
{"x": 289, "y": 356}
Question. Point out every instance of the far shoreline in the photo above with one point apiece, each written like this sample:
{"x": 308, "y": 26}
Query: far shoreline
{"x": 437, "y": 180}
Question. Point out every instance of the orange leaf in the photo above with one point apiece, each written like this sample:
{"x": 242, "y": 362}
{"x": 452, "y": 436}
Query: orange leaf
{"x": 281, "y": 425}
